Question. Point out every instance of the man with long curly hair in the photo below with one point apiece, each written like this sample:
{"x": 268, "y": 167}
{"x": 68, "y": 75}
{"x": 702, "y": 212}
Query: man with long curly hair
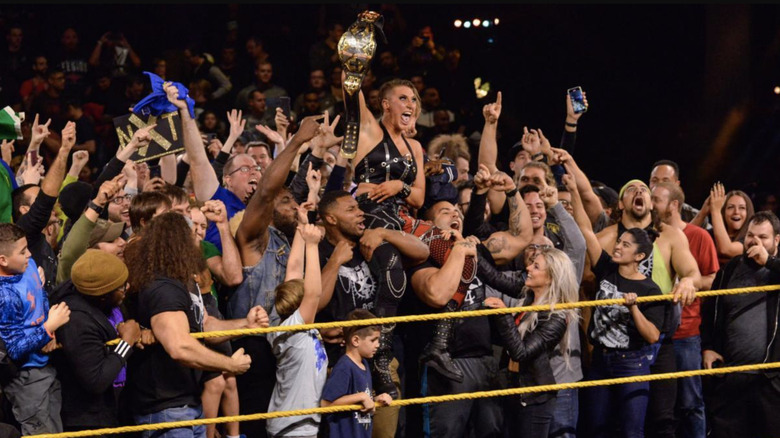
{"x": 165, "y": 379}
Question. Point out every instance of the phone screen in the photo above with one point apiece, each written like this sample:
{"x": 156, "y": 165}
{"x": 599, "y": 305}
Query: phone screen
{"x": 33, "y": 157}
{"x": 154, "y": 171}
{"x": 285, "y": 105}
{"x": 578, "y": 102}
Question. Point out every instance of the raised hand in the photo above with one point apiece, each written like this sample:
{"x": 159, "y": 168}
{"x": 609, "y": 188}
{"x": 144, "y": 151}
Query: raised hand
{"x": 717, "y": 197}
{"x": 531, "y": 141}
{"x": 325, "y": 137}
{"x": 569, "y": 182}
{"x": 482, "y": 179}
{"x": 492, "y": 111}
{"x": 109, "y": 189}
{"x": 571, "y": 116}
{"x": 80, "y": 159}
{"x": 311, "y": 233}
{"x": 172, "y": 93}
{"x": 343, "y": 252}
{"x": 215, "y": 211}
{"x": 237, "y": 124}
{"x": 273, "y": 136}
{"x": 502, "y": 182}
{"x": 309, "y": 128}
{"x": 33, "y": 172}
{"x": 549, "y": 195}
{"x": 39, "y": 132}
{"x": 313, "y": 179}
{"x": 68, "y": 137}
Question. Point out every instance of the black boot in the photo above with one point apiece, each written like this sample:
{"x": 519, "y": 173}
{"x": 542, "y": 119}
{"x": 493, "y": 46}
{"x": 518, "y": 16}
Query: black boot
{"x": 435, "y": 354}
{"x": 383, "y": 380}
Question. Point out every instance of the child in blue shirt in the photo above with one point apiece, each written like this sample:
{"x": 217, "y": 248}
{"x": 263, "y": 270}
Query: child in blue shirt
{"x": 350, "y": 382}
{"x": 27, "y": 325}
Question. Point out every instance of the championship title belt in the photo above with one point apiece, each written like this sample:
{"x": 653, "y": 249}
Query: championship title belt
{"x": 356, "y": 48}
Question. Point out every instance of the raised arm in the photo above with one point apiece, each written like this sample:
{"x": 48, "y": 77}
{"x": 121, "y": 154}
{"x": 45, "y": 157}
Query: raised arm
{"x": 590, "y": 201}
{"x": 252, "y": 235}
{"x": 228, "y": 268}
{"x": 506, "y": 245}
{"x": 204, "y": 179}
{"x": 312, "y": 280}
{"x": 722, "y": 240}
{"x": 591, "y": 241}
{"x": 488, "y": 146}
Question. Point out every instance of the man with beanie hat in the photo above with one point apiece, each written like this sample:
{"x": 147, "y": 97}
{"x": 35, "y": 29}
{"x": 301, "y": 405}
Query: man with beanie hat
{"x": 91, "y": 372}
{"x": 91, "y": 232}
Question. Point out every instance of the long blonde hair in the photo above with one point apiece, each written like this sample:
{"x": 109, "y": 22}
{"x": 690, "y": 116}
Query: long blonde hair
{"x": 564, "y": 288}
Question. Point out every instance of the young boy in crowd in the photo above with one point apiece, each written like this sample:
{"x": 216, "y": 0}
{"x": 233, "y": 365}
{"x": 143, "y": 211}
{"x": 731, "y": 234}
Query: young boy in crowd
{"x": 350, "y": 381}
{"x": 27, "y": 326}
{"x": 302, "y": 364}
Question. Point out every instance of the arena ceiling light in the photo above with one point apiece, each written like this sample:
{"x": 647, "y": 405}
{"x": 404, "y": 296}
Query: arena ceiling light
{"x": 467, "y": 23}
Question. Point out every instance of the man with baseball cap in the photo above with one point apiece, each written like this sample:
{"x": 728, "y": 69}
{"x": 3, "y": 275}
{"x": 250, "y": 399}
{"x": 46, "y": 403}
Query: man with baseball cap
{"x": 91, "y": 372}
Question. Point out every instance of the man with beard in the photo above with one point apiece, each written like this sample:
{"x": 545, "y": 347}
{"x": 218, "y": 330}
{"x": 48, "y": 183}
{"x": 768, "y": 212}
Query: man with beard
{"x": 668, "y": 200}
{"x": 671, "y": 258}
{"x": 263, "y": 239}
{"x": 741, "y": 330}
{"x": 240, "y": 174}
{"x": 669, "y": 172}
{"x": 349, "y": 275}
{"x": 437, "y": 283}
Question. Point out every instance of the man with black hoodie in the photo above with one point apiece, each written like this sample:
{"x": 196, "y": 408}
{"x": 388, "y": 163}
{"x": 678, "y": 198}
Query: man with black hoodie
{"x": 93, "y": 374}
{"x": 742, "y": 330}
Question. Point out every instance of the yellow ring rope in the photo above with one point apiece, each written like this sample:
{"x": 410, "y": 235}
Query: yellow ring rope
{"x": 411, "y": 401}
{"x": 464, "y": 314}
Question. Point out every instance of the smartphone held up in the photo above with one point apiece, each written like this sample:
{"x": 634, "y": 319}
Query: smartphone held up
{"x": 577, "y": 100}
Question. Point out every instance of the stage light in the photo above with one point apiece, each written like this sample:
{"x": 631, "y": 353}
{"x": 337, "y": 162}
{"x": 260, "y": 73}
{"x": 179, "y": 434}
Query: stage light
{"x": 476, "y": 22}
{"x": 777, "y": 90}
{"x": 495, "y": 21}
{"x": 458, "y": 23}
{"x": 485, "y": 23}
{"x": 490, "y": 40}
{"x": 466, "y": 24}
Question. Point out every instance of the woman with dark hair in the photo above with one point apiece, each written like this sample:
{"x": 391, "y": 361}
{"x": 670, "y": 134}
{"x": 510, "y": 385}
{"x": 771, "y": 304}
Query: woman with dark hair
{"x": 624, "y": 337}
{"x": 729, "y": 215}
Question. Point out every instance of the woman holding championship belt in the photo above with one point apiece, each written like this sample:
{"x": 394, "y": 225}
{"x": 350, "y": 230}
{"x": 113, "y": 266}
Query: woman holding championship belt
{"x": 386, "y": 171}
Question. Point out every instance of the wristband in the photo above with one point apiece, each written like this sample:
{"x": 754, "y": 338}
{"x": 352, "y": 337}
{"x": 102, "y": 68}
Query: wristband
{"x": 98, "y": 209}
{"x": 536, "y": 157}
{"x": 511, "y": 193}
{"x": 571, "y": 125}
{"x": 406, "y": 191}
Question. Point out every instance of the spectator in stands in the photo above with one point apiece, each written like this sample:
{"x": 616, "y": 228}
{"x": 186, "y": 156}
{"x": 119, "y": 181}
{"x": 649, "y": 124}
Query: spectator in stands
{"x": 264, "y": 72}
{"x": 323, "y": 55}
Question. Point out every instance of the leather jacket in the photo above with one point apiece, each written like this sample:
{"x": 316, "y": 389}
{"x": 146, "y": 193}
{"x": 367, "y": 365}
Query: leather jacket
{"x": 533, "y": 353}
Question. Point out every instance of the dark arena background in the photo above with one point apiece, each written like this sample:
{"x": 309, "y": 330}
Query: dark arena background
{"x": 692, "y": 83}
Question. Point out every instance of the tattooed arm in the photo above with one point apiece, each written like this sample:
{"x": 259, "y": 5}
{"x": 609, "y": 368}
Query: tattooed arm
{"x": 506, "y": 245}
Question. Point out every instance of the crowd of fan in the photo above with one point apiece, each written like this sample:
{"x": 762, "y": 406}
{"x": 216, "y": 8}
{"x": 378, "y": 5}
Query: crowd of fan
{"x": 261, "y": 219}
